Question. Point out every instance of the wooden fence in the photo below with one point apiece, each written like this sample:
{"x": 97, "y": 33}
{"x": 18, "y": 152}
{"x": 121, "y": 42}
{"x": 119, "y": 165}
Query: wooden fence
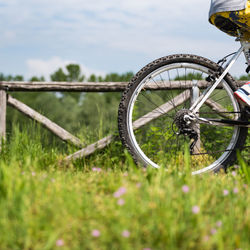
{"x": 6, "y": 99}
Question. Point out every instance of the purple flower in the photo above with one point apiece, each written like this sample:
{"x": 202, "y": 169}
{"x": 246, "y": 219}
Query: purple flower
{"x": 94, "y": 169}
{"x": 195, "y": 209}
{"x": 235, "y": 190}
{"x": 185, "y": 189}
{"x": 126, "y": 233}
{"x": 225, "y": 192}
{"x": 213, "y": 231}
{"x": 121, "y": 191}
{"x": 138, "y": 185}
{"x": 95, "y": 233}
{"x": 120, "y": 202}
{"x": 219, "y": 223}
{"x": 206, "y": 238}
{"x": 60, "y": 242}
{"x": 234, "y": 173}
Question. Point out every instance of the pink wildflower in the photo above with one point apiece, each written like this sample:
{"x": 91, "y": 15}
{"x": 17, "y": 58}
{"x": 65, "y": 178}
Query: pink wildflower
{"x": 234, "y": 173}
{"x": 95, "y": 169}
{"x": 213, "y": 231}
{"x": 120, "y": 202}
{"x": 126, "y": 233}
{"x": 225, "y": 192}
{"x": 185, "y": 189}
{"x": 195, "y": 209}
{"x": 121, "y": 191}
{"x": 206, "y": 238}
{"x": 219, "y": 223}
{"x": 60, "y": 242}
{"x": 138, "y": 185}
{"x": 236, "y": 190}
{"x": 96, "y": 233}
{"x": 147, "y": 248}
{"x": 33, "y": 173}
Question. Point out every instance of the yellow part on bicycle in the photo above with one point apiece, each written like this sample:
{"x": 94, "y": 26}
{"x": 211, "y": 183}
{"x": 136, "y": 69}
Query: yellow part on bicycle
{"x": 231, "y": 22}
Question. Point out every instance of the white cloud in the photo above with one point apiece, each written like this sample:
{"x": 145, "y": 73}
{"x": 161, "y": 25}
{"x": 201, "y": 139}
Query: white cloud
{"x": 150, "y": 28}
{"x": 39, "y": 67}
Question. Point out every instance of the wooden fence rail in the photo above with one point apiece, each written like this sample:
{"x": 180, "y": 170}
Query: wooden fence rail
{"x": 6, "y": 98}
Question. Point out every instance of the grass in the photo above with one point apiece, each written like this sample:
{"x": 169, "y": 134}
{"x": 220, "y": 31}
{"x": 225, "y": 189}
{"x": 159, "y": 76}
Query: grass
{"x": 106, "y": 202}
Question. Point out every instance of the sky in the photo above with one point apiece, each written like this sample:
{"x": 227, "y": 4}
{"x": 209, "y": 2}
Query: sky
{"x": 103, "y": 36}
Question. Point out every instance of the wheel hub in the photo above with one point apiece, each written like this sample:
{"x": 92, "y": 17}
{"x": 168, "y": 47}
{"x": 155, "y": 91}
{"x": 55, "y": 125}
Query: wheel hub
{"x": 185, "y": 121}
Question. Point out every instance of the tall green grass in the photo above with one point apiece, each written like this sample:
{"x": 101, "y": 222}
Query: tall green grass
{"x": 106, "y": 202}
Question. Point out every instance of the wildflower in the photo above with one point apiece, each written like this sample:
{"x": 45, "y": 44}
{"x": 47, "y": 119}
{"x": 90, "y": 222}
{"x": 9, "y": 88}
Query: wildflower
{"x": 60, "y": 242}
{"x": 120, "y": 202}
{"x": 234, "y": 173}
{"x": 225, "y": 192}
{"x": 147, "y": 248}
{"x": 195, "y": 209}
{"x": 96, "y": 233}
{"x": 121, "y": 191}
{"x": 213, "y": 231}
{"x": 235, "y": 190}
{"x": 138, "y": 185}
{"x": 219, "y": 223}
{"x": 126, "y": 233}
{"x": 185, "y": 189}
{"x": 33, "y": 173}
{"x": 94, "y": 169}
{"x": 206, "y": 238}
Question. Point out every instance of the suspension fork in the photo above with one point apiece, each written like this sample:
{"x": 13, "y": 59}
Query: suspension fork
{"x": 201, "y": 100}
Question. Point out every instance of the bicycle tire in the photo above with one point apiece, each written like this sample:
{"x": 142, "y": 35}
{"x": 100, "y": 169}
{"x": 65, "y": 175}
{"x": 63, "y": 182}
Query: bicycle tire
{"x": 130, "y": 105}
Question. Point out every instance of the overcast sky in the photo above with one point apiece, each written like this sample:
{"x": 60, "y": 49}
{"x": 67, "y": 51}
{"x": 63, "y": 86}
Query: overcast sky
{"x": 39, "y": 36}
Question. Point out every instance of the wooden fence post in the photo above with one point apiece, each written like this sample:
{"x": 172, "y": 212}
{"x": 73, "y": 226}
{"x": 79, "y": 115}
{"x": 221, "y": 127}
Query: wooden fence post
{"x": 3, "y": 103}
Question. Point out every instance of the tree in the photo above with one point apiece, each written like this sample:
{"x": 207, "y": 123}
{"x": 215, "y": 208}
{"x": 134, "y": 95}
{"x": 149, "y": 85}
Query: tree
{"x": 73, "y": 74}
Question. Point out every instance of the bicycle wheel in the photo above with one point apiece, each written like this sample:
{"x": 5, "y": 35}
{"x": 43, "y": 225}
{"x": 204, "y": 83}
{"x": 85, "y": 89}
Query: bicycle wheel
{"x": 153, "y": 109}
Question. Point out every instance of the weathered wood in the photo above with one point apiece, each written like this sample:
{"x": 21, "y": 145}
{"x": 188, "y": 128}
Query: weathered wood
{"x": 216, "y": 107}
{"x": 91, "y": 148}
{"x": 53, "y": 127}
{"x": 194, "y": 95}
{"x": 95, "y": 86}
{"x": 64, "y": 86}
{"x": 3, "y": 97}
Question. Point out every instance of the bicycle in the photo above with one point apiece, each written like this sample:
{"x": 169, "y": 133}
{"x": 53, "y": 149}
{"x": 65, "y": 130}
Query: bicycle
{"x": 185, "y": 101}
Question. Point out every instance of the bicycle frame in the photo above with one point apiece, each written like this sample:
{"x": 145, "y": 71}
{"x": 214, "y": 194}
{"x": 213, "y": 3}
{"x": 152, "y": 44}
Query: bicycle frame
{"x": 245, "y": 48}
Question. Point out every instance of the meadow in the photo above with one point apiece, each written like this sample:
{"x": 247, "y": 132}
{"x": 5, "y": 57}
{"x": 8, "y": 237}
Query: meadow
{"x": 106, "y": 202}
